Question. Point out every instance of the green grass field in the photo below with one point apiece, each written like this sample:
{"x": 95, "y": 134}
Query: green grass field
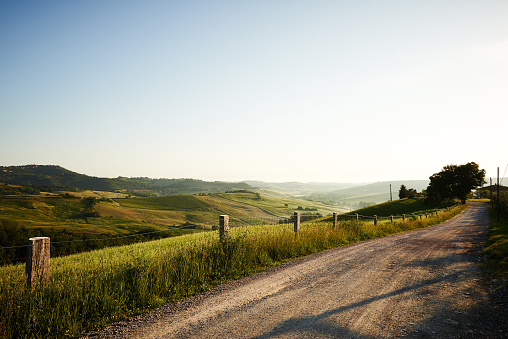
{"x": 283, "y": 207}
{"x": 402, "y": 206}
{"x": 60, "y": 216}
{"x": 171, "y": 202}
{"x": 90, "y": 290}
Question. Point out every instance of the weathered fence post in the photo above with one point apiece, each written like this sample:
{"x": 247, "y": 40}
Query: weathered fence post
{"x": 420, "y": 216}
{"x": 375, "y": 220}
{"x": 297, "y": 222}
{"x": 356, "y": 217}
{"x": 403, "y": 217}
{"x": 37, "y": 261}
{"x": 334, "y": 220}
{"x": 426, "y": 215}
{"x": 391, "y": 219}
{"x": 223, "y": 226}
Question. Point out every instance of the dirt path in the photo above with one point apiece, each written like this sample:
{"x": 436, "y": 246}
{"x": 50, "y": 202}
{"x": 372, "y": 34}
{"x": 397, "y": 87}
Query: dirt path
{"x": 419, "y": 284}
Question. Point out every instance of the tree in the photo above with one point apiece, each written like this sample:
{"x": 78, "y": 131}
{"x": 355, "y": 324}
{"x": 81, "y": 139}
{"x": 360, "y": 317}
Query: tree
{"x": 402, "y": 192}
{"x": 407, "y": 193}
{"x": 455, "y": 181}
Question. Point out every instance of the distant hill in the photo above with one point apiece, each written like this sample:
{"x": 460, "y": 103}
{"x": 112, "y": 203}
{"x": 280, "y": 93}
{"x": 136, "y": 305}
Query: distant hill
{"x": 370, "y": 194}
{"x": 57, "y": 177}
{"x": 299, "y": 188}
{"x": 51, "y": 177}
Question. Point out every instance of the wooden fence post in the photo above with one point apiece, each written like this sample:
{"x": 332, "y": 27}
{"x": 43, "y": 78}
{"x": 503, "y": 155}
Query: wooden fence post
{"x": 356, "y": 217}
{"x": 223, "y": 226}
{"x": 375, "y": 220}
{"x": 391, "y": 219}
{"x": 37, "y": 261}
{"x": 420, "y": 216}
{"x": 403, "y": 217}
{"x": 334, "y": 220}
{"x": 297, "y": 222}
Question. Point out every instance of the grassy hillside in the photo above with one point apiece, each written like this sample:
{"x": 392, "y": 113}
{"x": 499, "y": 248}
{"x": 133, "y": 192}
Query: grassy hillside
{"x": 402, "y": 206}
{"x": 73, "y": 224}
{"x": 173, "y": 202}
{"x": 299, "y": 188}
{"x": 283, "y": 207}
{"x": 240, "y": 213}
{"x": 98, "y": 223}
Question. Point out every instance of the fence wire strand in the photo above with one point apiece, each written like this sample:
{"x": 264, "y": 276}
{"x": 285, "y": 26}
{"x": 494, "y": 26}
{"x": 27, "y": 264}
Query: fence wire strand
{"x": 243, "y": 223}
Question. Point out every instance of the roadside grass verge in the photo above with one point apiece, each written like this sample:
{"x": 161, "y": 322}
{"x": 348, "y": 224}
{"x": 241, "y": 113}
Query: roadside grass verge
{"x": 496, "y": 246}
{"x": 90, "y": 290}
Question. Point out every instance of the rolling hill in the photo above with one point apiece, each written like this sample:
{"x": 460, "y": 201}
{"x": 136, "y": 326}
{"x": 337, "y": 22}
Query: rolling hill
{"x": 52, "y": 177}
{"x": 79, "y": 223}
{"x": 299, "y": 188}
{"x": 58, "y": 179}
{"x": 370, "y": 194}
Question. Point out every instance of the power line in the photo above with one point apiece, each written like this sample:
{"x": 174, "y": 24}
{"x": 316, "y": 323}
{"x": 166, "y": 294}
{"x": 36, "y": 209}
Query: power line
{"x": 113, "y": 238}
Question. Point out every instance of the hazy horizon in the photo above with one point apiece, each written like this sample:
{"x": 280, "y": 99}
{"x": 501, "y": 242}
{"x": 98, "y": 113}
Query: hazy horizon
{"x": 278, "y": 91}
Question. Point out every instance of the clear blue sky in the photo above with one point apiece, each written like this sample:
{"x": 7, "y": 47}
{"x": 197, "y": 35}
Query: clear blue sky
{"x": 343, "y": 91}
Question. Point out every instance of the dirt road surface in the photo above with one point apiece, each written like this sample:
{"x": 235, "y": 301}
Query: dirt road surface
{"x": 419, "y": 284}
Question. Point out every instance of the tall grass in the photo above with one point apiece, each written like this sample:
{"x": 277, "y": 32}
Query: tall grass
{"x": 91, "y": 290}
{"x": 497, "y": 244}
{"x": 404, "y": 206}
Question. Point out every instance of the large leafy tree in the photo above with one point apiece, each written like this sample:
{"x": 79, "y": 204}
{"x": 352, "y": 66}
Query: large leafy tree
{"x": 402, "y": 192}
{"x": 407, "y": 193}
{"x": 455, "y": 181}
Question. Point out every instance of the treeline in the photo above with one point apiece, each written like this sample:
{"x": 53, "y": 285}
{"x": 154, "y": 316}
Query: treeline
{"x": 240, "y": 191}
{"x": 18, "y": 190}
{"x": 41, "y": 177}
{"x": 300, "y": 208}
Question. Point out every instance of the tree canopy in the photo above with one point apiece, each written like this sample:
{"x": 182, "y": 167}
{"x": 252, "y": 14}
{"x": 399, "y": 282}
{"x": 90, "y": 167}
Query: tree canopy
{"x": 455, "y": 181}
{"x": 407, "y": 193}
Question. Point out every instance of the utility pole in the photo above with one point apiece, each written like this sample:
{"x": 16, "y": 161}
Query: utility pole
{"x": 391, "y": 192}
{"x": 490, "y": 189}
{"x": 498, "y": 194}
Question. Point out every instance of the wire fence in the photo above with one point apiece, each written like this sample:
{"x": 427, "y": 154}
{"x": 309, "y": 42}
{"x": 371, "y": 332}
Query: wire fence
{"x": 207, "y": 226}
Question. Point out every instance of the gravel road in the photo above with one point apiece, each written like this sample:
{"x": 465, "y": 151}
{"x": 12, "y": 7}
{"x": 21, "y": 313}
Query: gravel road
{"x": 419, "y": 284}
